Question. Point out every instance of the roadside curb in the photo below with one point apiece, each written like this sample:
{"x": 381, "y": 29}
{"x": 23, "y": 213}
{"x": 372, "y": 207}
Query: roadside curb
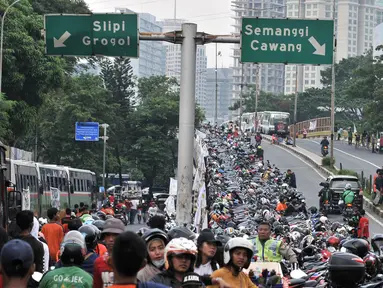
{"x": 367, "y": 202}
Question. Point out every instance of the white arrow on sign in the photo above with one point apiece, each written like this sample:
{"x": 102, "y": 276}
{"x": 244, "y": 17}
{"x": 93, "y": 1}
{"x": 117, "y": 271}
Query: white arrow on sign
{"x": 319, "y": 49}
{"x": 60, "y": 42}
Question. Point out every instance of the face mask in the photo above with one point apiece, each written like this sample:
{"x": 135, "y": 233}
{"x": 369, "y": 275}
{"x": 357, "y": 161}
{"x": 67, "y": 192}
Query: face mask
{"x": 159, "y": 263}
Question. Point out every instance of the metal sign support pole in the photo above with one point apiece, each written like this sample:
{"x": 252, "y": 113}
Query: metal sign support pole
{"x": 186, "y": 124}
{"x": 333, "y": 92}
{"x": 105, "y": 138}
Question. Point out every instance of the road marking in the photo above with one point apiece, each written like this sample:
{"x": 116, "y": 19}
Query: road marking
{"x": 310, "y": 165}
{"x": 356, "y": 157}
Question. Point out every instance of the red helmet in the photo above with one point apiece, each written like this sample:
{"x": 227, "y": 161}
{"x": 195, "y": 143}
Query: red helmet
{"x": 333, "y": 241}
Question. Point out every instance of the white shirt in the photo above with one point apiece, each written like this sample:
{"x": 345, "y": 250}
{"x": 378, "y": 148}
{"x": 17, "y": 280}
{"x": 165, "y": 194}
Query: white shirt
{"x": 204, "y": 269}
{"x": 134, "y": 204}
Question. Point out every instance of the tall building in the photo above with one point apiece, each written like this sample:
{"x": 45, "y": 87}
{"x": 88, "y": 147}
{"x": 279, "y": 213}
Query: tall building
{"x": 355, "y": 21}
{"x": 271, "y": 75}
{"x": 173, "y": 61}
{"x": 151, "y": 61}
{"x": 224, "y": 80}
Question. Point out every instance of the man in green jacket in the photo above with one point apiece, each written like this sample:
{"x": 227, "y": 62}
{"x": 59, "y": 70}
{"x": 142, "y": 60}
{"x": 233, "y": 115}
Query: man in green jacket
{"x": 348, "y": 195}
{"x": 268, "y": 249}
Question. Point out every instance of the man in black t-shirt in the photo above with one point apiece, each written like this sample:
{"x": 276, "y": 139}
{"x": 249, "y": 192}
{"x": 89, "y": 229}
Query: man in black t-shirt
{"x": 24, "y": 219}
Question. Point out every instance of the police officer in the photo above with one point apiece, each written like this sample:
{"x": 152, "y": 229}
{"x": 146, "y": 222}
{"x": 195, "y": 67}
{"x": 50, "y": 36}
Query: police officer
{"x": 271, "y": 250}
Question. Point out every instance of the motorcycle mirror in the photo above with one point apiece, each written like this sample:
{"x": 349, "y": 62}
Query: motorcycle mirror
{"x": 37, "y": 276}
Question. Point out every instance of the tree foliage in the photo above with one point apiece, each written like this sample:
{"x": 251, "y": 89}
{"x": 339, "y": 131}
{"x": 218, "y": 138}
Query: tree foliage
{"x": 44, "y": 97}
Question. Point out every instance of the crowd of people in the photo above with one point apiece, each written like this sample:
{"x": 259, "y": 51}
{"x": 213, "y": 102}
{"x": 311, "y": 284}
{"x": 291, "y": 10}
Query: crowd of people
{"x": 75, "y": 250}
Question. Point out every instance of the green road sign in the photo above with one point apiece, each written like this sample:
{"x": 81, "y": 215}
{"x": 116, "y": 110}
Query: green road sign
{"x": 287, "y": 41}
{"x": 92, "y": 34}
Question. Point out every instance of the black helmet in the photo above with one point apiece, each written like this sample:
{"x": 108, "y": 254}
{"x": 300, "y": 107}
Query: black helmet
{"x": 72, "y": 254}
{"x": 95, "y": 217}
{"x": 179, "y": 232}
{"x": 155, "y": 233}
{"x": 359, "y": 247}
{"x": 101, "y": 215}
{"x": 90, "y": 236}
{"x": 99, "y": 224}
{"x": 377, "y": 243}
{"x": 313, "y": 210}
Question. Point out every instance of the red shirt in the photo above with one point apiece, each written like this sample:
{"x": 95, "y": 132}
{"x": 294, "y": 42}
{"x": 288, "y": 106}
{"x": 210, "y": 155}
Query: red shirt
{"x": 363, "y": 229}
{"x": 102, "y": 272}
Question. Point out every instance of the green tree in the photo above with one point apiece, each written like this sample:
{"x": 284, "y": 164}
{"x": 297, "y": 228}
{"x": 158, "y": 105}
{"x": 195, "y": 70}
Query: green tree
{"x": 60, "y": 6}
{"x": 84, "y": 99}
{"x": 5, "y": 109}
{"x": 154, "y": 128}
{"x": 117, "y": 77}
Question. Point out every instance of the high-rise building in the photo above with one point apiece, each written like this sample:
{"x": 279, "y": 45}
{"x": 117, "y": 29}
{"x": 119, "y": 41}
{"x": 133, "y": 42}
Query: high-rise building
{"x": 271, "y": 76}
{"x": 355, "y": 21}
{"x": 173, "y": 61}
{"x": 379, "y": 11}
{"x": 224, "y": 80}
{"x": 151, "y": 61}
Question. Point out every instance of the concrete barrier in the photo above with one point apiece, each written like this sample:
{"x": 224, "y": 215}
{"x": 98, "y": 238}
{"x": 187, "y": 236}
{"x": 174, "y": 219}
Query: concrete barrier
{"x": 308, "y": 156}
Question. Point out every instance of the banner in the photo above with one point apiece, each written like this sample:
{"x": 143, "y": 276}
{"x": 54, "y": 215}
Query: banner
{"x": 313, "y": 125}
{"x": 55, "y": 197}
{"x": 26, "y": 199}
{"x": 173, "y": 187}
{"x": 201, "y": 205}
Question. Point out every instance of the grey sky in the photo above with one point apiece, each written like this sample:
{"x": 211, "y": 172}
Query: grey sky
{"x": 211, "y": 16}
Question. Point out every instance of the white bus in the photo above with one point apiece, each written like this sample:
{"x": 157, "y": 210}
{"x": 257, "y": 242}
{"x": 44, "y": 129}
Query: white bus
{"x": 275, "y": 122}
{"x": 75, "y": 185}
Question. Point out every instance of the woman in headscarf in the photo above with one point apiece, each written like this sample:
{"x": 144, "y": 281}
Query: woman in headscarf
{"x": 156, "y": 241}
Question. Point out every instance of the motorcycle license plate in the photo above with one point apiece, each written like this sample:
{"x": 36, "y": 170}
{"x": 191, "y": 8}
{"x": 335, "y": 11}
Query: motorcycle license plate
{"x": 326, "y": 205}
{"x": 349, "y": 209}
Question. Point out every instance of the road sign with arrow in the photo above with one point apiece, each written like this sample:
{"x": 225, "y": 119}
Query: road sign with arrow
{"x": 92, "y": 34}
{"x": 289, "y": 41}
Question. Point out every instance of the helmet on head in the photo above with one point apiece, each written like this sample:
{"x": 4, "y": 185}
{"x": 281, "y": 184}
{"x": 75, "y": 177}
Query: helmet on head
{"x": 155, "y": 234}
{"x": 99, "y": 224}
{"x": 238, "y": 243}
{"x": 348, "y": 186}
{"x": 73, "y": 249}
{"x": 90, "y": 235}
{"x": 180, "y": 246}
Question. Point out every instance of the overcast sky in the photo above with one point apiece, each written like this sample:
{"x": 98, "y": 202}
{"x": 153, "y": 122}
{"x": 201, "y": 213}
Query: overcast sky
{"x": 211, "y": 16}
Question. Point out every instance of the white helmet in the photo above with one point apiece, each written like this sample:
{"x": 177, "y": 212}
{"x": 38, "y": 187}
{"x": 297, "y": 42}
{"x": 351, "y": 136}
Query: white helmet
{"x": 285, "y": 185}
{"x": 250, "y": 191}
{"x": 266, "y": 214}
{"x": 348, "y": 186}
{"x": 238, "y": 243}
{"x": 180, "y": 246}
{"x": 323, "y": 219}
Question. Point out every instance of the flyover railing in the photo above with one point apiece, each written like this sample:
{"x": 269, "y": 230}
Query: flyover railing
{"x": 315, "y": 127}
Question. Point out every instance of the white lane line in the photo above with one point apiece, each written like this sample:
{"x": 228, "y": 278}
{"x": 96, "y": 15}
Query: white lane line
{"x": 348, "y": 154}
{"x": 310, "y": 165}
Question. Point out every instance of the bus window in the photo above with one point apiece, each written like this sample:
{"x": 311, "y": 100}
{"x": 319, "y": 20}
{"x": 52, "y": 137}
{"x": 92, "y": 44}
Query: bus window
{"x": 82, "y": 185}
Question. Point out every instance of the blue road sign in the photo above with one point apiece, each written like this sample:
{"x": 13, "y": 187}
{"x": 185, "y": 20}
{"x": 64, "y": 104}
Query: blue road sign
{"x": 87, "y": 131}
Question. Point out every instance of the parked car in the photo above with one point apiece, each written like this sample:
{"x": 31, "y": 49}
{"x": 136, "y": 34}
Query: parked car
{"x": 337, "y": 184}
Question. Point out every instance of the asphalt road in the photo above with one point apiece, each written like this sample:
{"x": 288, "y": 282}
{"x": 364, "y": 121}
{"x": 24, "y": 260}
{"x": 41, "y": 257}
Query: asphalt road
{"x": 308, "y": 178}
{"x": 355, "y": 159}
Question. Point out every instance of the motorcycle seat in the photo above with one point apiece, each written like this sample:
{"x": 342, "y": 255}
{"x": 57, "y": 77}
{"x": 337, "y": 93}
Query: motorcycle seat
{"x": 296, "y": 282}
{"x": 311, "y": 283}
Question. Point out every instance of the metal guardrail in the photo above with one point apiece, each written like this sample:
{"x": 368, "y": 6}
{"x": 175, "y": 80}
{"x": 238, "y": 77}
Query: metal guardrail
{"x": 314, "y": 127}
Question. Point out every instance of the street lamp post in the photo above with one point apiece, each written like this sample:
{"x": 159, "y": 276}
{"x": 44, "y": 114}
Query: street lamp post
{"x": 105, "y": 138}
{"x": 217, "y": 53}
{"x": 1, "y": 42}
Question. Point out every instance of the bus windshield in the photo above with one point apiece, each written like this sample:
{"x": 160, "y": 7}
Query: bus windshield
{"x": 280, "y": 118}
